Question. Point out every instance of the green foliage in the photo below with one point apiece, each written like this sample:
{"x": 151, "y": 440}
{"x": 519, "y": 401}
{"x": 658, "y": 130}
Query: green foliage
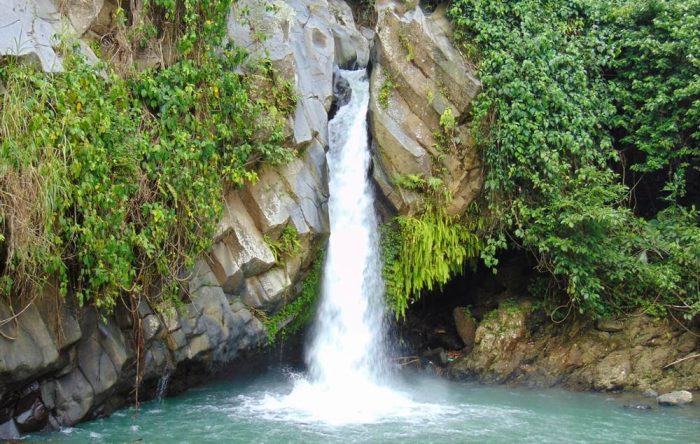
{"x": 385, "y": 91}
{"x": 566, "y": 84}
{"x": 421, "y": 253}
{"x": 286, "y": 246}
{"x": 198, "y": 23}
{"x": 656, "y": 84}
{"x": 112, "y": 185}
{"x": 447, "y": 120}
{"x": 299, "y": 312}
{"x": 406, "y": 43}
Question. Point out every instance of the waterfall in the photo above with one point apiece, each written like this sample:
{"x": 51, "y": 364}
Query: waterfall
{"x": 348, "y": 346}
{"x": 347, "y": 381}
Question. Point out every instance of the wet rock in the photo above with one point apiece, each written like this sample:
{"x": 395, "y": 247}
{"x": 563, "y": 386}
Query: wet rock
{"x": 70, "y": 397}
{"x": 609, "y": 325}
{"x": 650, "y": 393}
{"x": 637, "y": 406}
{"x": 31, "y": 352}
{"x": 342, "y": 93}
{"x": 466, "y": 327}
{"x": 437, "y": 356}
{"x": 33, "y": 417}
{"x": 8, "y": 430}
{"x": 680, "y": 397}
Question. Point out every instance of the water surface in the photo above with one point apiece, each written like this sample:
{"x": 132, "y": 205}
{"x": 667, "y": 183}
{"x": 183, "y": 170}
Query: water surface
{"x": 244, "y": 411}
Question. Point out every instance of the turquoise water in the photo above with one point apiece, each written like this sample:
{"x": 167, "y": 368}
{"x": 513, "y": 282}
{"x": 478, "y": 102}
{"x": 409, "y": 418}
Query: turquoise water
{"x": 247, "y": 410}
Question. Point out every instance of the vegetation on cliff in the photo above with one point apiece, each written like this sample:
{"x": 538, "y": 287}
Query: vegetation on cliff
{"x": 589, "y": 127}
{"x": 112, "y": 179}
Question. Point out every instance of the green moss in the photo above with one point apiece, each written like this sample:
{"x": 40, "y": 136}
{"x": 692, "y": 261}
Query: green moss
{"x": 286, "y": 246}
{"x": 301, "y": 310}
{"x": 385, "y": 92}
{"x": 407, "y": 45}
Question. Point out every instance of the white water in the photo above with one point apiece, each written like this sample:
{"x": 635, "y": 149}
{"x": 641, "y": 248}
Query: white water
{"x": 348, "y": 381}
{"x": 348, "y": 346}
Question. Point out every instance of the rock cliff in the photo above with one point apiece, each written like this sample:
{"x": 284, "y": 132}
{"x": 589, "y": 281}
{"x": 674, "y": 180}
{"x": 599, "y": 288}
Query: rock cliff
{"x": 60, "y": 364}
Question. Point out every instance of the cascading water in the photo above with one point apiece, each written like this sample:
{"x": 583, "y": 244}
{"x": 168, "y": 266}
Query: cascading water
{"x": 348, "y": 381}
{"x": 348, "y": 346}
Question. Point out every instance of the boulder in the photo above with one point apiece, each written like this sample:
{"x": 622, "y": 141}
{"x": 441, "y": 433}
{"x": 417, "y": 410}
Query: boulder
{"x": 267, "y": 290}
{"x": 245, "y": 242}
{"x": 650, "y": 393}
{"x": 68, "y": 397}
{"x": 613, "y": 371}
{"x": 8, "y": 430}
{"x": 680, "y": 397}
{"x": 609, "y": 325}
{"x": 466, "y": 327}
{"x": 27, "y": 347}
{"x": 82, "y": 13}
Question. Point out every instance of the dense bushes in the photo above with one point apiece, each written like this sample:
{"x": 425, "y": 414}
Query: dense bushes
{"x": 112, "y": 184}
{"x": 571, "y": 89}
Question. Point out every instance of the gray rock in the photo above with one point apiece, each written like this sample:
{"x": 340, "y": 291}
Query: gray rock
{"x": 609, "y": 325}
{"x": 8, "y": 430}
{"x": 304, "y": 38}
{"x": 245, "y": 242}
{"x": 70, "y": 396}
{"x": 267, "y": 290}
{"x": 151, "y": 327}
{"x": 270, "y": 204}
{"x": 637, "y": 406}
{"x": 82, "y": 13}
{"x": 29, "y": 29}
{"x": 31, "y": 352}
{"x": 650, "y": 393}
{"x": 680, "y": 397}
{"x": 421, "y": 74}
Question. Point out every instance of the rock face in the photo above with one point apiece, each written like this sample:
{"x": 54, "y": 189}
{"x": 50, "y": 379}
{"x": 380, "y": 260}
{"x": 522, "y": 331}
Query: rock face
{"x": 514, "y": 344}
{"x": 418, "y": 77}
{"x": 304, "y": 39}
{"x": 31, "y": 29}
{"x": 60, "y": 368}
